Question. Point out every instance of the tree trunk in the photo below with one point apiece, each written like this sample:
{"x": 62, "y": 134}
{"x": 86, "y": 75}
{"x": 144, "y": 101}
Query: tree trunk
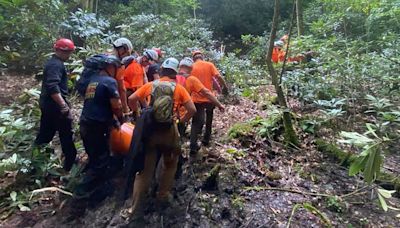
{"x": 300, "y": 22}
{"x": 290, "y": 134}
{"x": 87, "y": 5}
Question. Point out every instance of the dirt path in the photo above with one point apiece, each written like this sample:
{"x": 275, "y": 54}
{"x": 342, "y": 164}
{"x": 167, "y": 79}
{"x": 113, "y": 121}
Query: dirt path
{"x": 237, "y": 198}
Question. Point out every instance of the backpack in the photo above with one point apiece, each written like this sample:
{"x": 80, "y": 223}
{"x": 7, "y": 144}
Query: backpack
{"x": 162, "y": 101}
{"x": 92, "y": 66}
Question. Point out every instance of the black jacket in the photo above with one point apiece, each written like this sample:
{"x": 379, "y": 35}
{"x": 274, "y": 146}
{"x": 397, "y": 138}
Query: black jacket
{"x": 55, "y": 80}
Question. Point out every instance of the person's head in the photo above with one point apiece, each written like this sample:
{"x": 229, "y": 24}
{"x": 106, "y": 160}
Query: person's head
{"x": 110, "y": 64}
{"x": 148, "y": 57}
{"x": 197, "y": 55}
{"x": 169, "y": 68}
{"x": 122, "y": 47}
{"x": 278, "y": 44}
{"x": 186, "y": 65}
{"x": 63, "y": 48}
{"x": 284, "y": 38}
{"x": 159, "y": 52}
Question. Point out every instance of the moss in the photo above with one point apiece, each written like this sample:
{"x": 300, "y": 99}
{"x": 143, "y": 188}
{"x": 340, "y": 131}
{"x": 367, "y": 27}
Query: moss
{"x": 274, "y": 175}
{"x": 344, "y": 157}
{"x": 240, "y": 130}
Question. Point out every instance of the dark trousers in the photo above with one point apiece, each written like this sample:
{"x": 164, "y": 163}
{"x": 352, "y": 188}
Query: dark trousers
{"x": 95, "y": 185}
{"x": 52, "y": 121}
{"x": 95, "y": 137}
{"x": 204, "y": 114}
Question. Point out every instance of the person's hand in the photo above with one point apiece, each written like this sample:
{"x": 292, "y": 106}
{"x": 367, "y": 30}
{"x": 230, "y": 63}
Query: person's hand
{"x": 116, "y": 124}
{"x": 221, "y": 108}
{"x": 65, "y": 111}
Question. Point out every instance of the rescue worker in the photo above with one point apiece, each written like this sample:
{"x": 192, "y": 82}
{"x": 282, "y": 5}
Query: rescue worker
{"x": 205, "y": 71}
{"x": 154, "y": 69}
{"x": 101, "y": 104}
{"x": 278, "y": 55}
{"x": 135, "y": 75}
{"x": 55, "y": 108}
{"x": 122, "y": 49}
{"x": 193, "y": 85}
{"x": 164, "y": 138}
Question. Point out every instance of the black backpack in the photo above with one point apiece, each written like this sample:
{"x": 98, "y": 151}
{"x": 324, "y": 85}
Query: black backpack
{"x": 92, "y": 66}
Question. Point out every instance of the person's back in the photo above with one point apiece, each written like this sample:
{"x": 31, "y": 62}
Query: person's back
{"x": 54, "y": 106}
{"x": 204, "y": 71}
{"x": 97, "y": 106}
{"x": 164, "y": 138}
{"x": 133, "y": 76}
{"x": 54, "y": 80}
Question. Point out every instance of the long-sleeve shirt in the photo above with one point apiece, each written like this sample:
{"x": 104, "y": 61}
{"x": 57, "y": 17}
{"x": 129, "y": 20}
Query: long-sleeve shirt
{"x": 55, "y": 80}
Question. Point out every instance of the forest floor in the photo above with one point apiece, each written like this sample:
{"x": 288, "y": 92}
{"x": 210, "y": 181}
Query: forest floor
{"x": 259, "y": 183}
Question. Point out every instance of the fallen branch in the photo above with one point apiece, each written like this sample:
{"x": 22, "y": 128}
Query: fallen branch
{"x": 257, "y": 188}
{"x": 285, "y": 190}
{"x": 52, "y": 189}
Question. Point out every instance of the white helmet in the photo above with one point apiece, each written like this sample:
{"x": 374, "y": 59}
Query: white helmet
{"x": 186, "y": 62}
{"x": 120, "y": 42}
{"x": 151, "y": 54}
{"x": 279, "y": 43}
{"x": 171, "y": 63}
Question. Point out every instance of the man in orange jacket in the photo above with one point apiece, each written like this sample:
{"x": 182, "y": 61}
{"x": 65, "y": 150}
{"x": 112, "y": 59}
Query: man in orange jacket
{"x": 205, "y": 71}
{"x": 122, "y": 48}
{"x": 135, "y": 74}
{"x": 164, "y": 137}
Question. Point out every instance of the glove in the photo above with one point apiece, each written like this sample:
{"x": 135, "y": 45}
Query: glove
{"x": 65, "y": 111}
{"x": 116, "y": 124}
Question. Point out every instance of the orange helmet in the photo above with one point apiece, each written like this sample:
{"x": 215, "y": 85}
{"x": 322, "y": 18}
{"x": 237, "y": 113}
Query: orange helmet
{"x": 197, "y": 52}
{"x": 64, "y": 44}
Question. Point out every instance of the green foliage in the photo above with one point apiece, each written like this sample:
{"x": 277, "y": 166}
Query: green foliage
{"x": 28, "y": 31}
{"x": 370, "y": 159}
{"x": 242, "y": 72}
{"x": 334, "y": 204}
{"x": 176, "y": 36}
{"x": 17, "y": 121}
{"x": 84, "y": 25}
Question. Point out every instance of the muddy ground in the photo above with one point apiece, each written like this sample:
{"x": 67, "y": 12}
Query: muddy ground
{"x": 258, "y": 185}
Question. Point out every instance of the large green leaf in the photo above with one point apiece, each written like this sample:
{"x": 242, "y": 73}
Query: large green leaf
{"x": 373, "y": 165}
{"x": 354, "y": 138}
{"x": 383, "y": 203}
{"x": 357, "y": 165}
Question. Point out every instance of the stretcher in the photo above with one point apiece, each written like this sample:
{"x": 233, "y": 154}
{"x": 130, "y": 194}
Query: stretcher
{"x": 120, "y": 139}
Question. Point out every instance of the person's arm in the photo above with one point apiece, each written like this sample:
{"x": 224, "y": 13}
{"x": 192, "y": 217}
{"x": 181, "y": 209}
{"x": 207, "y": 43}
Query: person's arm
{"x": 190, "y": 111}
{"x": 145, "y": 79}
{"x": 139, "y": 96}
{"x": 51, "y": 83}
{"x": 207, "y": 93}
{"x": 221, "y": 81}
{"x": 133, "y": 102}
{"x": 122, "y": 93}
{"x": 116, "y": 107}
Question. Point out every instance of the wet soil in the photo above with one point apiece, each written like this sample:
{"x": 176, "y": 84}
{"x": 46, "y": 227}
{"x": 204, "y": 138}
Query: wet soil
{"x": 256, "y": 186}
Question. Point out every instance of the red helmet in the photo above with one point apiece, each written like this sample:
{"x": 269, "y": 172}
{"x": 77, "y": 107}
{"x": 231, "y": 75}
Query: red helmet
{"x": 64, "y": 44}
